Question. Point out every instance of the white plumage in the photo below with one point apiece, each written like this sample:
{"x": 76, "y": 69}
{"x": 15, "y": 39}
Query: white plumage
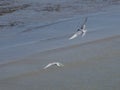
{"x": 54, "y": 63}
{"x": 74, "y": 36}
{"x": 82, "y": 31}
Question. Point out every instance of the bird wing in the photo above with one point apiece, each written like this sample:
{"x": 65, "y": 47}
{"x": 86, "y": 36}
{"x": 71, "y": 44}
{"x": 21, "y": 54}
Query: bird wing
{"x": 73, "y": 36}
{"x": 83, "y": 34}
{"x": 50, "y": 64}
{"x": 83, "y": 25}
{"x": 85, "y": 20}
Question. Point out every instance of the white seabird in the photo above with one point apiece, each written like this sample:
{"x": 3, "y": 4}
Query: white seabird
{"x": 54, "y": 63}
{"x": 80, "y": 31}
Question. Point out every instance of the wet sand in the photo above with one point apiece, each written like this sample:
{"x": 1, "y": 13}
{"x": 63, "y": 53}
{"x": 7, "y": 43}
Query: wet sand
{"x": 90, "y": 66}
{"x": 90, "y": 63}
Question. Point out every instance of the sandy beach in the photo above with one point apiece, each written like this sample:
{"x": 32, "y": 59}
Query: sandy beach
{"x": 90, "y": 63}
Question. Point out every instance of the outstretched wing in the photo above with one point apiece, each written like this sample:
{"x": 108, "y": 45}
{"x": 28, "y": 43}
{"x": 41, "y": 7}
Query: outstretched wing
{"x": 48, "y": 66}
{"x": 73, "y": 36}
{"x": 83, "y": 25}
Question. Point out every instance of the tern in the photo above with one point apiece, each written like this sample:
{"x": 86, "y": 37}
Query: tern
{"x": 54, "y": 63}
{"x": 80, "y": 31}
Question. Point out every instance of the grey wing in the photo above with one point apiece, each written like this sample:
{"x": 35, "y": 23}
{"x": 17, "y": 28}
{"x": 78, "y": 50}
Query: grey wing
{"x": 85, "y": 20}
{"x": 83, "y": 25}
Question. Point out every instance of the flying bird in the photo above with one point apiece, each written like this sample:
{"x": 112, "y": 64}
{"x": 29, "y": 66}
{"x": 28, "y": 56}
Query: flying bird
{"x": 80, "y": 31}
{"x": 54, "y": 63}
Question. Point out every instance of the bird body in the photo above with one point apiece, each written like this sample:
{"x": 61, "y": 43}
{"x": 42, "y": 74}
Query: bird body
{"x": 80, "y": 31}
{"x": 54, "y": 63}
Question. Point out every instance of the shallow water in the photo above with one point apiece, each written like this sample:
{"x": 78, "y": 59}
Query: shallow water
{"x": 93, "y": 66}
{"x": 90, "y": 63}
